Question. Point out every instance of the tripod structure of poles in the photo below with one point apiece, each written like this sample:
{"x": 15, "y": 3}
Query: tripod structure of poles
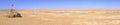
{"x": 13, "y": 13}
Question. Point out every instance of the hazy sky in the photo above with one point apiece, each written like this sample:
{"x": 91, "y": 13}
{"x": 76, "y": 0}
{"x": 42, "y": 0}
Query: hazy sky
{"x": 61, "y": 4}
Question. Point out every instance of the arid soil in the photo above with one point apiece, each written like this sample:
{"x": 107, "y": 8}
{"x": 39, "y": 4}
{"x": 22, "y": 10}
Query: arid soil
{"x": 63, "y": 17}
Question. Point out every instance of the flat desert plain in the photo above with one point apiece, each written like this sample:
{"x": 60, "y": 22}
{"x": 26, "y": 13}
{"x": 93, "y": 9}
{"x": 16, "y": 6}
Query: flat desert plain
{"x": 63, "y": 17}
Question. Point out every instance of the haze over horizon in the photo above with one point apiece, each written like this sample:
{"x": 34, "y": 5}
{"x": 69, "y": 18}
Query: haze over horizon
{"x": 61, "y": 4}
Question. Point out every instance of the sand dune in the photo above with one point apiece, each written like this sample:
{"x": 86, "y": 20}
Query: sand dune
{"x": 73, "y": 17}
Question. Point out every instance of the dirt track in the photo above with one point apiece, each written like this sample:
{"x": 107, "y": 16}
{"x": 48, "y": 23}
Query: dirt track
{"x": 63, "y": 18}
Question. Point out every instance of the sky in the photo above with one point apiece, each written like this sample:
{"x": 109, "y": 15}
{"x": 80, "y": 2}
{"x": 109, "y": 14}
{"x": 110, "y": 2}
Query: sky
{"x": 60, "y": 4}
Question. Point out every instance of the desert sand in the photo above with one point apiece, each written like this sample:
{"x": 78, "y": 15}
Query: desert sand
{"x": 63, "y": 17}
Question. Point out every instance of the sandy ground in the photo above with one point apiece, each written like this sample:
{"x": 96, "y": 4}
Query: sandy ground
{"x": 73, "y": 17}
